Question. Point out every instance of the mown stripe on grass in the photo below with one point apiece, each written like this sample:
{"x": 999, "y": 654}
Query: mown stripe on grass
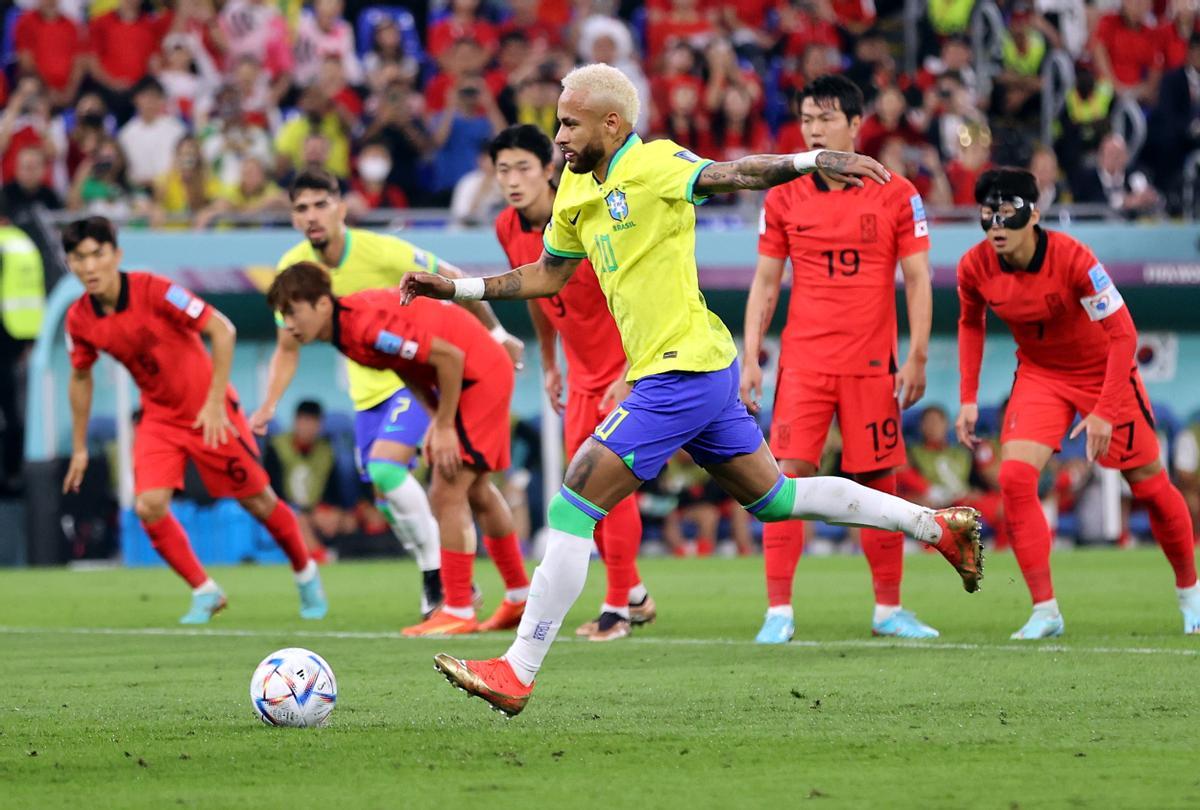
{"x": 874, "y": 644}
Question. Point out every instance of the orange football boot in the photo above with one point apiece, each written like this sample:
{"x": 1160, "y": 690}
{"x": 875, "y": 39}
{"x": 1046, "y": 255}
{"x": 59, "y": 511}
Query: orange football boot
{"x": 442, "y": 623}
{"x": 960, "y": 543}
{"x": 493, "y": 680}
{"x": 507, "y": 616}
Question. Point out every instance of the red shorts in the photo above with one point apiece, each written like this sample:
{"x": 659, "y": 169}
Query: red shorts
{"x": 867, "y": 412}
{"x": 583, "y": 414}
{"x": 1042, "y": 408}
{"x": 230, "y": 470}
{"x": 484, "y": 431}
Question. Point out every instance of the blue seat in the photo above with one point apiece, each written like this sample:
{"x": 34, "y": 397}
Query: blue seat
{"x": 8, "y": 48}
{"x": 989, "y": 421}
{"x": 339, "y": 422}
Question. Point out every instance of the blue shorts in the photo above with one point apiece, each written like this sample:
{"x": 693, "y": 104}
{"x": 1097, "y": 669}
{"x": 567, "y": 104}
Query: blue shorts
{"x": 399, "y": 418}
{"x": 700, "y": 412}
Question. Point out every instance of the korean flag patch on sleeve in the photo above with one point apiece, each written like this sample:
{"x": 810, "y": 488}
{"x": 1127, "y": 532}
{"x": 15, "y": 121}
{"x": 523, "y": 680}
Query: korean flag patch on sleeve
{"x": 920, "y": 223}
{"x": 1105, "y": 298}
{"x": 181, "y": 299}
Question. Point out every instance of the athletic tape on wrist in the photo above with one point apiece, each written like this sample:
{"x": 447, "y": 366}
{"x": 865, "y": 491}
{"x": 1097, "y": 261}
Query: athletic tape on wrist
{"x": 468, "y": 289}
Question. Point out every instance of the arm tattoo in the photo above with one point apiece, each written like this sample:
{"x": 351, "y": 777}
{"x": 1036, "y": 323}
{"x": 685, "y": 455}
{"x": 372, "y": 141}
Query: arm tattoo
{"x": 750, "y": 172}
{"x": 763, "y": 171}
{"x": 543, "y": 278}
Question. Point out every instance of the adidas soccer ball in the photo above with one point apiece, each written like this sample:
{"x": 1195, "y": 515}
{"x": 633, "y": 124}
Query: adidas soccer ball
{"x": 293, "y": 687}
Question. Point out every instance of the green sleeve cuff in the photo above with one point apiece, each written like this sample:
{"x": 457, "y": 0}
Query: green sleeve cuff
{"x": 691, "y": 186}
{"x": 564, "y": 254}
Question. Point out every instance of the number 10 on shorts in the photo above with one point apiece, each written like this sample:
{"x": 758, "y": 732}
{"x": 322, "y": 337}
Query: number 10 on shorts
{"x": 610, "y": 423}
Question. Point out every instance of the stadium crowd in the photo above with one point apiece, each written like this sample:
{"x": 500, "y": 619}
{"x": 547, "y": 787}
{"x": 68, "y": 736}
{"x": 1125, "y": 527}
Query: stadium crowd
{"x": 184, "y": 111}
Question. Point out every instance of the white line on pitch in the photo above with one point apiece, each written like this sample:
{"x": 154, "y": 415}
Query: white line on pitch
{"x": 866, "y": 644}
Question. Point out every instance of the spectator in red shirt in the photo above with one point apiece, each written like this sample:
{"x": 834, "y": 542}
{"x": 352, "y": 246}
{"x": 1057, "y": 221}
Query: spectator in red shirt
{"x": 686, "y": 123}
{"x": 331, "y": 78}
{"x": 923, "y": 168}
{"x": 890, "y": 120}
{"x": 465, "y": 58}
{"x": 51, "y": 46}
{"x": 1128, "y": 49}
{"x": 464, "y": 22}
{"x": 537, "y": 21}
{"x": 854, "y": 16}
{"x": 1177, "y": 32}
{"x": 26, "y": 123}
{"x": 678, "y": 67}
{"x": 125, "y": 49}
{"x": 802, "y": 27}
{"x": 735, "y": 131}
{"x": 682, "y": 21}
{"x": 724, "y": 72}
{"x": 371, "y": 188}
{"x": 974, "y": 159}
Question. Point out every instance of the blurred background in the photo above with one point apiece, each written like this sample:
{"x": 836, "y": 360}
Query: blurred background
{"x": 185, "y": 121}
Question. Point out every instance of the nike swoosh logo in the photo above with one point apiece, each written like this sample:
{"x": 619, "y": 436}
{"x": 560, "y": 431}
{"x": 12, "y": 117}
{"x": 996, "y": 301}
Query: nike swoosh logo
{"x": 881, "y": 457}
{"x": 575, "y": 218}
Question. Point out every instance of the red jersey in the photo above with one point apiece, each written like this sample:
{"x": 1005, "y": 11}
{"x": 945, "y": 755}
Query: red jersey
{"x": 155, "y": 333}
{"x": 373, "y": 329}
{"x": 579, "y": 313}
{"x": 1067, "y": 317}
{"x": 54, "y": 45}
{"x": 124, "y": 48}
{"x": 844, "y": 246}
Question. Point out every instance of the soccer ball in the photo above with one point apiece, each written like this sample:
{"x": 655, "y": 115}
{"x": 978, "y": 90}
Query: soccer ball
{"x": 293, "y": 687}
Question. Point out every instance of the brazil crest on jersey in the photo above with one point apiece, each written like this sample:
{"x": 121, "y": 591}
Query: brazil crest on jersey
{"x": 638, "y": 229}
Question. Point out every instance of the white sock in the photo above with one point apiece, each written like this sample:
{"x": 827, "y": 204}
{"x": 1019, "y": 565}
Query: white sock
{"x": 781, "y": 610}
{"x": 208, "y": 586}
{"x": 307, "y": 573}
{"x": 414, "y": 525}
{"x": 467, "y": 612}
{"x": 847, "y": 503}
{"x": 1188, "y": 594}
{"x": 885, "y": 612}
{"x": 1049, "y": 607}
{"x": 637, "y": 594}
{"x": 557, "y": 583}
{"x": 517, "y": 595}
{"x": 622, "y": 611}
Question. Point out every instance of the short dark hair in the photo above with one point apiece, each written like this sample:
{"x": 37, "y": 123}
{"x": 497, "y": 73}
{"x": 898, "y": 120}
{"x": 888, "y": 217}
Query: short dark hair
{"x": 309, "y": 407}
{"x": 824, "y": 90}
{"x": 315, "y": 179}
{"x": 148, "y": 83}
{"x": 523, "y": 136}
{"x": 1006, "y": 181}
{"x": 302, "y": 281}
{"x": 99, "y": 228}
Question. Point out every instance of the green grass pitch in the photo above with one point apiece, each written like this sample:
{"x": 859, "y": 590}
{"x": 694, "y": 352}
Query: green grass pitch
{"x": 100, "y": 710}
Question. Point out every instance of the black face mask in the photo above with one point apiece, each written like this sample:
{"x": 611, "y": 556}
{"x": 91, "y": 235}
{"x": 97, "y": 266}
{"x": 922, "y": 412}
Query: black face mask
{"x": 1018, "y": 220}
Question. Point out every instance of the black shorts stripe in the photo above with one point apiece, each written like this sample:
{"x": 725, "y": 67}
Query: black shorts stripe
{"x": 475, "y": 455}
{"x": 1137, "y": 392}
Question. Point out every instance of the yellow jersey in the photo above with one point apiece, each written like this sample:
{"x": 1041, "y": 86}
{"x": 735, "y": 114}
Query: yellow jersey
{"x": 370, "y": 261}
{"x": 638, "y": 229}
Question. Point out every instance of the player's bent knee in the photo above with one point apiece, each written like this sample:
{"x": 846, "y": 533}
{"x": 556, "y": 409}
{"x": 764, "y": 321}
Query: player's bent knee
{"x": 777, "y": 504}
{"x": 386, "y": 475}
{"x": 797, "y": 468}
{"x": 1018, "y": 476}
{"x": 151, "y": 509}
{"x": 260, "y": 505}
{"x": 572, "y": 514}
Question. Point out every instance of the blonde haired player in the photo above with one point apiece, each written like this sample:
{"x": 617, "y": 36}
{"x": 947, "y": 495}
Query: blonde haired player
{"x": 628, "y": 207}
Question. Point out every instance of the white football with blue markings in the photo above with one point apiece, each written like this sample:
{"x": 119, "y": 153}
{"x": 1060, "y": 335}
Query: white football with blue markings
{"x": 293, "y": 687}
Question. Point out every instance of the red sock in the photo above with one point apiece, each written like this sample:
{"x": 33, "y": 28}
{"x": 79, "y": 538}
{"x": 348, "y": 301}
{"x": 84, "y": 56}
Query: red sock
{"x": 171, "y": 543}
{"x": 621, "y": 533}
{"x": 506, "y": 554}
{"x": 783, "y": 542}
{"x": 1027, "y": 528}
{"x": 283, "y": 526}
{"x": 458, "y": 568}
{"x": 884, "y": 551}
{"x": 1171, "y": 524}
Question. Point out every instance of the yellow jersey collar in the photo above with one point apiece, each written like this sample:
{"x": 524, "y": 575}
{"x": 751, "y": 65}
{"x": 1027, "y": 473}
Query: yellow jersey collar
{"x": 632, "y": 140}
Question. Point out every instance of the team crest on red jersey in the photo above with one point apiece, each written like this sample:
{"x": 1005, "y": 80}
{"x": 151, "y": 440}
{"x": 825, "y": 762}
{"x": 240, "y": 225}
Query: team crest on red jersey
{"x": 868, "y": 227}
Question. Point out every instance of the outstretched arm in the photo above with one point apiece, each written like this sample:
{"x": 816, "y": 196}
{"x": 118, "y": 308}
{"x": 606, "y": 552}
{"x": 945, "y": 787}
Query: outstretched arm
{"x": 543, "y": 278}
{"x": 765, "y": 171}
